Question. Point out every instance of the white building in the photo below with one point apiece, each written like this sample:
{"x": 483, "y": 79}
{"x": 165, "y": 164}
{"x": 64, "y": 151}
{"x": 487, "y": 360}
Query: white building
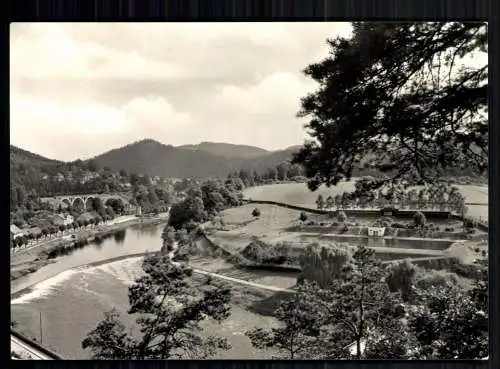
{"x": 376, "y": 231}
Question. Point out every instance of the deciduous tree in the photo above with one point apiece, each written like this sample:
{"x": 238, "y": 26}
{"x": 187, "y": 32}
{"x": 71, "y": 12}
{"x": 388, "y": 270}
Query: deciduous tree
{"x": 169, "y": 310}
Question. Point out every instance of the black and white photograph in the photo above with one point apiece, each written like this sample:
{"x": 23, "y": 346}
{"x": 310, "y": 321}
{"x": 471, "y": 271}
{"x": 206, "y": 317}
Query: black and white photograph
{"x": 260, "y": 190}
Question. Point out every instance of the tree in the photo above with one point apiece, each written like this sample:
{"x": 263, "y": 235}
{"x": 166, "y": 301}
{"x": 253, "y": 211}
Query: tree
{"x": 282, "y": 171}
{"x": 52, "y": 230}
{"x": 395, "y": 98}
{"x": 97, "y": 204}
{"x": 452, "y": 323}
{"x": 168, "y": 237}
{"x": 62, "y": 228}
{"x": 303, "y": 216}
{"x": 322, "y": 264}
{"x": 256, "y": 212}
{"x": 190, "y": 209}
{"x": 359, "y": 303}
{"x": 401, "y": 278}
{"x": 330, "y": 202}
{"x": 92, "y": 165}
{"x": 298, "y": 327}
{"x": 170, "y": 310}
{"x": 341, "y": 217}
{"x": 320, "y": 202}
{"x": 419, "y": 219}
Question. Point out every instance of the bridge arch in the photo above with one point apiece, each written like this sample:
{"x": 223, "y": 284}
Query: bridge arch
{"x": 78, "y": 204}
{"x": 66, "y": 203}
{"x": 88, "y": 203}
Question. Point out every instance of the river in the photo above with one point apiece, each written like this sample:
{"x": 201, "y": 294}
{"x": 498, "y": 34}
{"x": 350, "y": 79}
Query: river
{"x": 70, "y": 296}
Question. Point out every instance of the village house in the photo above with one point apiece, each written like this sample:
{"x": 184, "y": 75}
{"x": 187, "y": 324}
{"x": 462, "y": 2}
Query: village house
{"x": 15, "y": 231}
{"x": 60, "y": 219}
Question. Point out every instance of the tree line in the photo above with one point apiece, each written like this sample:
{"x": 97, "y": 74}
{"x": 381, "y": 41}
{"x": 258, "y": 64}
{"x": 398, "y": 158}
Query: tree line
{"x": 434, "y": 196}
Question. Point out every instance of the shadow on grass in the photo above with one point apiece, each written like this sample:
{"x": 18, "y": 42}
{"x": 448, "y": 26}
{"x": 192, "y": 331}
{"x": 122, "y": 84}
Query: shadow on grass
{"x": 267, "y": 306}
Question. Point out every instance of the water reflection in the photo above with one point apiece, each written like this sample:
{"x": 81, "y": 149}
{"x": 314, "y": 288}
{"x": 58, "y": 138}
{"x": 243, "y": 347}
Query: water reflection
{"x": 119, "y": 236}
{"x": 133, "y": 240}
{"x": 384, "y": 242}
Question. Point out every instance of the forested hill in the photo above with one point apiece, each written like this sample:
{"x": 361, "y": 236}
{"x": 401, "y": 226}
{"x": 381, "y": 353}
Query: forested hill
{"x": 227, "y": 150}
{"x": 33, "y": 176}
{"x": 19, "y": 156}
{"x": 192, "y": 161}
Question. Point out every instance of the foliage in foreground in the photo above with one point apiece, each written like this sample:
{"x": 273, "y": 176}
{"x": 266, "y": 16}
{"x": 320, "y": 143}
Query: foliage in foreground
{"x": 169, "y": 310}
{"x": 394, "y": 98}
{"x": 359, "y": 313}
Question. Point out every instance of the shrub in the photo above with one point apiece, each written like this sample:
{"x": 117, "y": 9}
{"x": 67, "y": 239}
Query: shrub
{"x": 341, "y": 217}
{"x": 419, "y": 219}
{"x": 256, "y": 212}
{"x": 303, "y": 216}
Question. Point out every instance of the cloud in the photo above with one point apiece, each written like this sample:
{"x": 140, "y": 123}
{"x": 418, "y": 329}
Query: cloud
{"x": 73, "y": 132}
{"x": 80, "y": 89}
{"x": 59, "y": 55}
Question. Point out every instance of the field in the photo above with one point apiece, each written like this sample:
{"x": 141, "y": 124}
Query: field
{"x": 240, "y": 225}
{"x": 275, "y": 222}
{"x": 298, "y": 194}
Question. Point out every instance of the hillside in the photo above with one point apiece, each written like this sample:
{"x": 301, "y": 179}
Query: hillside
{"x": 227, "y": 150}
{"x": 156, "y": 159}
{"x": 19, "y": 156}
{"x": 194, "y": 161}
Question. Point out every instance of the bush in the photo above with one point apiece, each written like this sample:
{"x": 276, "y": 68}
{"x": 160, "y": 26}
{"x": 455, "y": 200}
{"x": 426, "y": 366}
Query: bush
{"x": 419, "y": 219}
{"x": 303, "y": 216}
{"x": 256, "y": 212}
{"x": 341, "y": 217}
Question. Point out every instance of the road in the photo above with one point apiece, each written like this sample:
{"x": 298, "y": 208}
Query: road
{"x": 21, "y": 348}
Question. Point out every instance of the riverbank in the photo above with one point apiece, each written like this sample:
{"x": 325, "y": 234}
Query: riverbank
{"x": 29, "y": 260}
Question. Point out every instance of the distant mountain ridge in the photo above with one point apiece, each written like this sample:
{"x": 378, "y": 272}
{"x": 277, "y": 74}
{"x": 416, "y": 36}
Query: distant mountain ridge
{"x": 206, "y": 159}
{"x": 226, "y": 150}
{"x": 203, "y": 160}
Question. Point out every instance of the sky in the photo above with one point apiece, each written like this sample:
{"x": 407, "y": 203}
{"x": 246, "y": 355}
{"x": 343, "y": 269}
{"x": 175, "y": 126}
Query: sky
{"x": 80, "y": 89}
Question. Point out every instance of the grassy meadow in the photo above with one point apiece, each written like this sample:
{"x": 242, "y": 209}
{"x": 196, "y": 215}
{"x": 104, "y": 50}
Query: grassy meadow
{"x": 298, "y": 194}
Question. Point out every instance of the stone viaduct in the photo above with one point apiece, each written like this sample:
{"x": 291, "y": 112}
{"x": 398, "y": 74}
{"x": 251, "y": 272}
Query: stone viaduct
{"x": 81, "y": 201}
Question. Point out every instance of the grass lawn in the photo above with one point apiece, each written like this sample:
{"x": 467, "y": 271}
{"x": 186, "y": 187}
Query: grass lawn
{"x": 269, "y": 226}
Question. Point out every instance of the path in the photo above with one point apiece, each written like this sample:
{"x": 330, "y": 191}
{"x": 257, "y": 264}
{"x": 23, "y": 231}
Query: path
{"x": 231, "y": 279}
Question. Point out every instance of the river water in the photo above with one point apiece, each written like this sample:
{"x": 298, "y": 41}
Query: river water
{"x": 70, "y": 297}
